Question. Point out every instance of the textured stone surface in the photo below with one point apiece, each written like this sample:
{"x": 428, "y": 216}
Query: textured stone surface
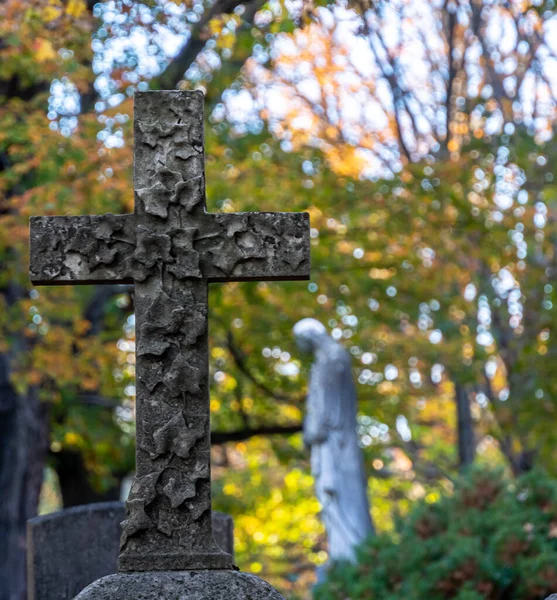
{"x": 180, "y": 585}
{"x": 171, "y": 248}
{"x": 69, "y": 549}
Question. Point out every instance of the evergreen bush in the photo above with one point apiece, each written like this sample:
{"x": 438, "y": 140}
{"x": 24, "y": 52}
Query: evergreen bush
{"x": 491, "y": 539}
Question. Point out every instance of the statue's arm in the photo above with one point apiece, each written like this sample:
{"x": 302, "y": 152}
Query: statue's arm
{"x": 315, "y": 422}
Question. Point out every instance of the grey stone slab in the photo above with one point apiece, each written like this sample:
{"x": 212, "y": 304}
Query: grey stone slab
{"x": 181, "y": 585}
{"x": 69, "y": 549}
{"x": 172, "y": 248}
{"x": 223, "y": 531}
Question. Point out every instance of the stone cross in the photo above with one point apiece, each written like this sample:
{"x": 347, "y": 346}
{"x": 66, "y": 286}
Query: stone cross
{"x": 170, "y": 248}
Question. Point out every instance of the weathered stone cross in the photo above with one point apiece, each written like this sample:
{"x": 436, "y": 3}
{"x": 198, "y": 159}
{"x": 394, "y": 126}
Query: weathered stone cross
{"x": 170, "y": 248}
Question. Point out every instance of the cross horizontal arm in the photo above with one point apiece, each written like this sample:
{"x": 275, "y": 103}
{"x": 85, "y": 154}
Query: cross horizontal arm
{"x": 254, "y": 246}
{"x": 93, "y": 249}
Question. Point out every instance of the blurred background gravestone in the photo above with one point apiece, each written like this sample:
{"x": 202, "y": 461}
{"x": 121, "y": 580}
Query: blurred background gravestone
{"x": 69, "y": 549}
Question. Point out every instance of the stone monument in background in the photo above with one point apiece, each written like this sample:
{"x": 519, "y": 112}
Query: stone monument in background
{"x": 171, "y": 248}
{"x": 330, "y": 431}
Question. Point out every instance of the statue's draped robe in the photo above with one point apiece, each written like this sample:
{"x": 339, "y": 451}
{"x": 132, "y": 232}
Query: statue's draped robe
{"x": 336, "y": 459}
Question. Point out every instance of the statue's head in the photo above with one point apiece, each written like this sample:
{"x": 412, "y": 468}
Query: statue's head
{"x": 307, "y": 333}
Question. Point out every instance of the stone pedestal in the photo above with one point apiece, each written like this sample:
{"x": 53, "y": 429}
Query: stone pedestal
{"x": 180, "y": 585}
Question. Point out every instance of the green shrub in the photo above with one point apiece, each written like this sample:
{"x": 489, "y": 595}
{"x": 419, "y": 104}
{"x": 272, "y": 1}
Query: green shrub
{"x": 492, "y": 539}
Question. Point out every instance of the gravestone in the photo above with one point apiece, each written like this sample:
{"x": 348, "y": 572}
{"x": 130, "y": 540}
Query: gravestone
{"x": 69, "y": 549}
{"x": 170, "y": 248}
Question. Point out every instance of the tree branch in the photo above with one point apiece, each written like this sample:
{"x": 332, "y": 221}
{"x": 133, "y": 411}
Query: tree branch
{"x": 425, "y": 468}
{"x": 221, "y": 437}
{"x": 395, "y": 88}
{"x": 498, "y": 87}
{"x": 93, "y": 399}
{"x": 450, "y": 30}
{"x": 199, "y": 35}
{"x": 95, "y": 310}
{"x": 217, "y": 437}
{"x": 240, "y": 362}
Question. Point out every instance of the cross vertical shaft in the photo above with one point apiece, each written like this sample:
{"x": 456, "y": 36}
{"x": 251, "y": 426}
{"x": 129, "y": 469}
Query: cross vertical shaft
{"x": 170, "y": 500}
{"x": 169, "y": 509}
{"x": 171, "y": 248}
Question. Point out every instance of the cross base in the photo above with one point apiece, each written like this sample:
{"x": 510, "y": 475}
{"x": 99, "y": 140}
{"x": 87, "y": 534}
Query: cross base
{"x": 175, "y": 562}
{"x": 180, "y": 585}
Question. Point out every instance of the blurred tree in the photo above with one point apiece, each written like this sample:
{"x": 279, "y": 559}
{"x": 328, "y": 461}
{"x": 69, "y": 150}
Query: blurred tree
{"x": 454, "y": 103}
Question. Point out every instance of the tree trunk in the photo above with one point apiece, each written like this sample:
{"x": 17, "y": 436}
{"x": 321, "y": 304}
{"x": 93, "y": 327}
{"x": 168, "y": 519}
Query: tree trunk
{"x": 23, "y": 446}
{"x": 520, "y": 461}
{"x": 74, "y": 481}
{"x": 465, "y": 427}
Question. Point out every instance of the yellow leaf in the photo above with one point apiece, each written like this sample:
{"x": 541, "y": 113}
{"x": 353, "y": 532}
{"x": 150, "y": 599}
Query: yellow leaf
{"x": 71, "y": 438}
{"x": 89, "y": 384}
{"x": 256, "y": 567}
{"x": 75, "y": 8}
{"x": 81, "y": 326}
{"x": 44, "y": 50}
{"x": 50, "y": 13}
{"x": 215, "y": 26}
{"x": 34, "y": 377}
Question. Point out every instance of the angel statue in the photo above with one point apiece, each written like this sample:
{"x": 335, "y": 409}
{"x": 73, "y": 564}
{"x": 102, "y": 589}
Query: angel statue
{"x": 330, "y": 431}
